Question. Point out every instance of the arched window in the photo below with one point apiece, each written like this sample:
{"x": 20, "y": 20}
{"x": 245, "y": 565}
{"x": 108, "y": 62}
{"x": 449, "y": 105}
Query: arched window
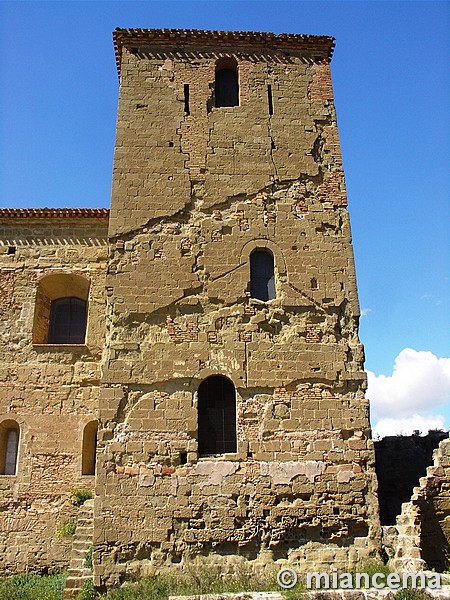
{"x": 67, "y": 321}
{"x": 60, "y": 314}
{"x": 89, "y": 450}
{"x": 262, "y": 275}
{"x": 216, "y": 416}
{"x": 9, "y": 447}
{"x": 227, "y": 83}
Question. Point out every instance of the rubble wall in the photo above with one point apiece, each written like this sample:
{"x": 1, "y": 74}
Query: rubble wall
{"x": 400, "y": 462}
{"x": 422, "y": 538}
{"x": 193, "y": 195}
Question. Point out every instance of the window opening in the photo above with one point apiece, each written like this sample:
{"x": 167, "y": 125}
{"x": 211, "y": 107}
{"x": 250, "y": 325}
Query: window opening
{"x": 269, "y": 98}
{"x": 67, "y": 321}
{"x": 9, "y": 448}
{"x": 262, "y": 275}
{"x": 216, "y": 416}
{"x": 227, "y": 83}
{"x": 89, "y": 449}
{"x": 186, "y": 99}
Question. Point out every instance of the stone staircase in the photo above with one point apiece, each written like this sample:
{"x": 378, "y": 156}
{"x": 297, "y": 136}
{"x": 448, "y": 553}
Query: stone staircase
{"x": 407, "y": 547}
{"x": 78, "y": 573}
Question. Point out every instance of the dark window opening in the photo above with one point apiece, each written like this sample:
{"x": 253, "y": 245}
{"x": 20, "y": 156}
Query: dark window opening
{"x": 270, "y": 99}
{"x": 67, "y": 321}
{"x": 183, "y": 458}
{"x": 216, "y": 416}
{"x": 186, "y": 99}
{"x": 262, "y": 275}
{"x": 89, "y": 450}
{"x": 314, "y": 283}
{"x": 11, "y": 249}
{"x": 227, "y": 83}
{"x": 9, "y": 447}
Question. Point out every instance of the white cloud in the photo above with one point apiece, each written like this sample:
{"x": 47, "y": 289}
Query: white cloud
{"x": 401, "y": 402}
{"x": 365, "y": 312}
{"x": 406, "y": 426}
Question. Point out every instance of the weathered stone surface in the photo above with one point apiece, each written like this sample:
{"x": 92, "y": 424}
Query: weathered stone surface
{"x": 195, "y": 192}
{"x": 400, "y": 462}
{"x": 423, "y": 532}
{"x": 51, "y": 391}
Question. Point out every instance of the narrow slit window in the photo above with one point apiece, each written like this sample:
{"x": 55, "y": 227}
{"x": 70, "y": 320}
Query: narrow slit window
{"x": 270, "y": 99}
{"x": 262, "y": 275}
{"x": 186, "y": 99}
{"x": 216, "y": 416}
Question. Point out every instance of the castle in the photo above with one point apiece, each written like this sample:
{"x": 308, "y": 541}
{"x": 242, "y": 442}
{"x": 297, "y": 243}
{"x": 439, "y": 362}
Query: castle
{"x": 192, "y": 355}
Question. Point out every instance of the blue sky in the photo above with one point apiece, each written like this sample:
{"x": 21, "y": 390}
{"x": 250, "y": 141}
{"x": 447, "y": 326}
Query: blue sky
{"x": 391, "y": 76}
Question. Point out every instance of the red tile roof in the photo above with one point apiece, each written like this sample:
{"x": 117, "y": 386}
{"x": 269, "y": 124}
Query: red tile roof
{"x": 54, "y": 213}
{"x": 314, "y": 45}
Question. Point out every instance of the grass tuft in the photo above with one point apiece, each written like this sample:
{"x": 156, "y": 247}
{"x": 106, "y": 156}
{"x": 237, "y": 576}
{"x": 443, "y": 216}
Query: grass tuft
{"x": 79, "y": 497}
{"x": 66, "y": 529}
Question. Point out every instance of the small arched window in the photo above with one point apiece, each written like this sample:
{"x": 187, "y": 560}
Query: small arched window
{"x": 227, "y": 83}
{"x": 9, "y": 447}
{"x": 216, "y": 416}
{"x": 60, "y": 314}
{"x": 262, "y": 275}
{"x": 89, "y": 449}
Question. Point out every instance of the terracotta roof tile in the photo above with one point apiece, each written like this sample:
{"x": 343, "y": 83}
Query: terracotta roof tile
{"x": 54, "y": 213}
{"x": 322, "y": 45}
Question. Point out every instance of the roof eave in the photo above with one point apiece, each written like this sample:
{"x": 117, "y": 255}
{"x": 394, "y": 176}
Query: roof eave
{"x": 194, "y": 37}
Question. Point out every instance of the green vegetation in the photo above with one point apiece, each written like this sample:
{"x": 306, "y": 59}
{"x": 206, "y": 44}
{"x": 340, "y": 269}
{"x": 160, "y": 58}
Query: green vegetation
{"x": 66, "y": 529}
{"x": 371, "y": 567}
{"x": 79, "y": 497}
{"x": 88, "y": 558}
{"x": 88, "y": 592}
{"x": 196, "y": 581}
{"x": 28, "y": 586}
{"x": 409, "y": 594}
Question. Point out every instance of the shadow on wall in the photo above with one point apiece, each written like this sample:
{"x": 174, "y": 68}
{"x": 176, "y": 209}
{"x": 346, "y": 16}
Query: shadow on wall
{"x": 400, "y": 462}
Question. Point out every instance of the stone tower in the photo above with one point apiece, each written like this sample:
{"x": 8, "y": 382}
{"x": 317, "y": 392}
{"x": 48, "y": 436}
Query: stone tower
{"x": 232, "y": 414}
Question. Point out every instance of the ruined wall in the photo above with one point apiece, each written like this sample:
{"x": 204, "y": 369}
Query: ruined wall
{"x": 193, "y": 195}
{"x": 51, "y": 391}
{"x": 400, "y": 462}
{"x": 422, "y": 538}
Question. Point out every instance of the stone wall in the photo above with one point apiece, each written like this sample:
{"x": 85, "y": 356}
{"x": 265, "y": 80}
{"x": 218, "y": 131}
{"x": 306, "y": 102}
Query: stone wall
{"x": 423, "y": 527}
{"x": 193, "y": 195}
{"x": 50, "y": 391}
{"x": 400, "y": 462}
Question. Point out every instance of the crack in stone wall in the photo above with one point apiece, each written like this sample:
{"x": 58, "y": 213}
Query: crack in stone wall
{"x": 301, "y": 485}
